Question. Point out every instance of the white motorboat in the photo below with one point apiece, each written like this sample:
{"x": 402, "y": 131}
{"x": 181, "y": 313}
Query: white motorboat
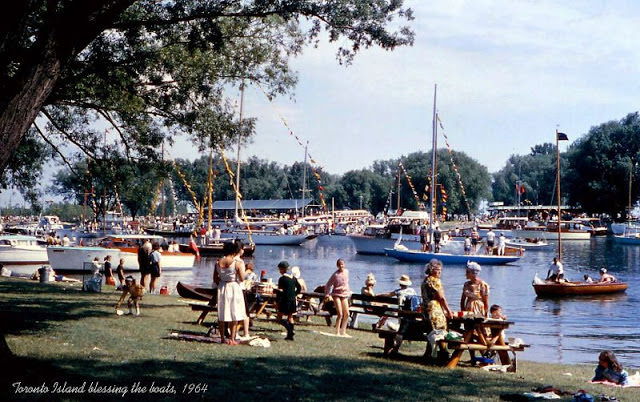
{"x": 528, "y": 244}
{"x": 63, "y": 258}
{"x": 270, "y": 238}
{"x": 22, "y": 250}
{"x": 569, "y": 230}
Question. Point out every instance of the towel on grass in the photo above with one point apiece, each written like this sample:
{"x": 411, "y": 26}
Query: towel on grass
{"x": 634, "y": 381}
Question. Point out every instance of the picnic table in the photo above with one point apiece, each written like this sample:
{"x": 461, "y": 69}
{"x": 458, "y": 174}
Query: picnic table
{"x": 478, "y": 334}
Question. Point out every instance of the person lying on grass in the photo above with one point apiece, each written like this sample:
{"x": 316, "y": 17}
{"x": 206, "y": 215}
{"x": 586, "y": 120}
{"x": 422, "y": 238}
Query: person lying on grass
{"x": 610, "y": 370}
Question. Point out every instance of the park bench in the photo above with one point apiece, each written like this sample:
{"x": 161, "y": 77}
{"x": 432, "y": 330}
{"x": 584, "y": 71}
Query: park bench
{"x": 379, "y": 306}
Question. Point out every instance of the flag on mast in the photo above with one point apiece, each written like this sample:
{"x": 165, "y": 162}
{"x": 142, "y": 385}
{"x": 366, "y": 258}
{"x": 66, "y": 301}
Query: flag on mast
{"x": 562, "y": 136}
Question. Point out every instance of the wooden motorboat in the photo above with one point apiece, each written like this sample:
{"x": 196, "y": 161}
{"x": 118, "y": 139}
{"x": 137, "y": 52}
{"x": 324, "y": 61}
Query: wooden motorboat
{"x": 578, "y": 288}
{"x": 195, "y": 292}
{"x": 214, "y": 249}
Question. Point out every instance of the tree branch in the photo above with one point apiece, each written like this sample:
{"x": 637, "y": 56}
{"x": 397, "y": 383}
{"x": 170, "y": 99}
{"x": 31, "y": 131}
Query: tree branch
{"x": 55, "y": 148}
{"x": 67, "y": 135}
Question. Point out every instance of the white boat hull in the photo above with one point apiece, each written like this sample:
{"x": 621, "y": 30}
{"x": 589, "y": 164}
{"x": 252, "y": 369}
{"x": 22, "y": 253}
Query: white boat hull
{"x": 271, "y": 239}
{"x": 627, "y": 239}
{"x": 10, "y": 255}
{"x": 63, "y": 258}
{"x": 74, "y": 258}
{"x": 549, "y": 235}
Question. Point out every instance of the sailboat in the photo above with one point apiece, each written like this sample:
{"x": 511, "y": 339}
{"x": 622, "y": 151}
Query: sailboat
{"x": 631, "y": 234}
{"x": 242, "y": 228}
{"x": 553, "y": 288}
{"x": 401, "y": 252}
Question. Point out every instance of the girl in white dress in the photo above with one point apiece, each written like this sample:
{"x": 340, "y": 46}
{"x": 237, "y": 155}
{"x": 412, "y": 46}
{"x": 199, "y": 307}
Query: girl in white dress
{"x": 229, "y": 273}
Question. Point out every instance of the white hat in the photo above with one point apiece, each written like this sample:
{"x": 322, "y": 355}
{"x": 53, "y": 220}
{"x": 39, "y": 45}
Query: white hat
{"x": 295, "y": 271}
{"x": 404, "y": 280}
{"x": 473, "y": 267}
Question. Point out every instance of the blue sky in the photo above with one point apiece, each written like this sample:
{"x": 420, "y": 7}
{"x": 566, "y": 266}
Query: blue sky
{"x": 508, "y": 74}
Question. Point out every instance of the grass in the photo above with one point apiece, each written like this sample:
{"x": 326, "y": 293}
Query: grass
{"x": 58, "y": 333}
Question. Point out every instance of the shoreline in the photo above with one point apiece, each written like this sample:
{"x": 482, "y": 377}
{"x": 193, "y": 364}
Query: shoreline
{"x": 59, "y": 333}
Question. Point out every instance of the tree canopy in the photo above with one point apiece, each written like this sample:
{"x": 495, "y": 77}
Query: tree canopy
{"x": 150, "y": 71}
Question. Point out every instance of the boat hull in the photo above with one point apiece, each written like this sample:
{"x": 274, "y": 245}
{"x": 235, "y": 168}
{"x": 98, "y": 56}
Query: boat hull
{"x": 67, "y": 259}
{"x": 23, "y": 255}
{"x": 369, "y": 245}
{"x": 578, "y": 288}
{"x": 551, "y": 235}
{"x": 423, "y": 257}
{"x": 273, "y": 239}
{"x": 195, "y": 292}
{"x": 215, "y": 249}
{"x": 627, "y": 239}
{"x": 527, "y": 245}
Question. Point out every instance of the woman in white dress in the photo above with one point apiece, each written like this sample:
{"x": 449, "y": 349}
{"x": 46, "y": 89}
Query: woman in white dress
{"x": 229, "y": 273}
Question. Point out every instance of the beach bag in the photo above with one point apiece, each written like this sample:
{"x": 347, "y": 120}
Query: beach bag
{"x": 93, "y": 284}
{"x": 582, "y": 396}
{"x": 412, "y": 303}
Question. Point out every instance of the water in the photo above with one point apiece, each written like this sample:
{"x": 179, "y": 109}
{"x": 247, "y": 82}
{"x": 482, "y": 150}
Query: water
{"x": 568, "y": 330}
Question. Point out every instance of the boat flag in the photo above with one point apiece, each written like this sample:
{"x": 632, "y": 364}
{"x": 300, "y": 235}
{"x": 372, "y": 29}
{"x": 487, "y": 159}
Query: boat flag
{"x": 562, "y": 136}
{"x": 194, "y": 247}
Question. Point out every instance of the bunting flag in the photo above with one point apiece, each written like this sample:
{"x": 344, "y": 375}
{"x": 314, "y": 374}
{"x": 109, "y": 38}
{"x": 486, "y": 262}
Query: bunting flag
{"x": 237, "y": 193}
{"x": 315, "y": 170}
{"x": 174, "y": 197}
{"x": 194, "y": 199}
{"x": 413, "y": 189}
{"x": 453, "y": 164}
{"x": 94, "y": 206}
{"x": 443, "y": 201}
{"x": 118, "y": 206}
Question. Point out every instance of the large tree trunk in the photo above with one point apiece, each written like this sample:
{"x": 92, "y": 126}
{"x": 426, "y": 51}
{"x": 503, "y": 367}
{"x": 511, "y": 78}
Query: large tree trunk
{"x": 67, "y": 28}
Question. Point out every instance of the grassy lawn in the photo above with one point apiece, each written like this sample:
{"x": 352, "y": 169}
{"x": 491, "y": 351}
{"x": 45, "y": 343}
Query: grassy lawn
{"x": 61, "y": 334}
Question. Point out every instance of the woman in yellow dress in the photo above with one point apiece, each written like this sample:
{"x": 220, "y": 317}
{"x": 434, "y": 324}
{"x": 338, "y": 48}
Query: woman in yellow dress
{"x": 475, "y": 292}
{"x": 435, "y": 308}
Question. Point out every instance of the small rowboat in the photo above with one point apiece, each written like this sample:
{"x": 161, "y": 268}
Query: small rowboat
{"x": 528, "y": 244}
{"x": 578, "y": 288}
{"x": 195, "y": 292}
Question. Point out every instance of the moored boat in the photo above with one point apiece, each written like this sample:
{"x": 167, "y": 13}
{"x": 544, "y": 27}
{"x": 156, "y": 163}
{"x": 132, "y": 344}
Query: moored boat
{"x": 195, "y": 292}
{"x": 406, "y": 255}
{"x": 578, "y": 288}
{"x": 214, "y": 249}
{"x": 73, "y": 258}
{"x": 528, "y": 244}
{"x": 22, "y": 250}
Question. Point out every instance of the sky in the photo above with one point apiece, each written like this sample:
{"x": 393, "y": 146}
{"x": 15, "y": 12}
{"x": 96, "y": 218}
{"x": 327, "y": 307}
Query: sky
{"x": 508, "y": 73}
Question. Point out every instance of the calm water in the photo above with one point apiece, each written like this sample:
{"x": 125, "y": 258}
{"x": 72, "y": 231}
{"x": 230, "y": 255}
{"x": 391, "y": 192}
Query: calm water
{"x": 569, "y": 330}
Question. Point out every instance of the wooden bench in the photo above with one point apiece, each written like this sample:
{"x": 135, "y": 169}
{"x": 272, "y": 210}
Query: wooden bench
{"x": 380, "y": 306}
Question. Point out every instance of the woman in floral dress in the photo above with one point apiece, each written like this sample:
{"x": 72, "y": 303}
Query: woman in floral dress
{"x": 475, "y": 292}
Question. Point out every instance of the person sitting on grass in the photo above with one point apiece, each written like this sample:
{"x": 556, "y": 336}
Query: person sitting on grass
{"x": 609, "y": 370}
{"x": 288, "y": 288}
{"x": 135, "y": 290}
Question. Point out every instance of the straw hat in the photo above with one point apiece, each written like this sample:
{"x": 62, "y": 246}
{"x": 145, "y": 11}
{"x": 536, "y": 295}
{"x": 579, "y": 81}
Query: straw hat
{"x": 404, "y": 280}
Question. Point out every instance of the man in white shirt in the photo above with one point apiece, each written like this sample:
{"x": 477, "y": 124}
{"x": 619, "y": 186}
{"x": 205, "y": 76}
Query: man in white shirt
{"x": 557, "y": 269}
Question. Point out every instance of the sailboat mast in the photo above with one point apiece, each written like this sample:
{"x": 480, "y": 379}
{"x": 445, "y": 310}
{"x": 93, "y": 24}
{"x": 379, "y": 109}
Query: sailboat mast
{"x": 630, "y": 181}
{"x": 238, "y": 155}
{"x": 434, "y": 150}
{"x": 559, "y": 198}
{"x": 304, "y": 179}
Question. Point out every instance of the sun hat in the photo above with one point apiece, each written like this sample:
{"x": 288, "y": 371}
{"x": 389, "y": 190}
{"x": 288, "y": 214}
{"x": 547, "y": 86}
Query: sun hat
{"x": 603, "y": 270}
{"x": 404, "y": 280}
{"x": 473, "y": 267}
{"x": 283, "y": 264}
{"x": 295, "y": 271}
